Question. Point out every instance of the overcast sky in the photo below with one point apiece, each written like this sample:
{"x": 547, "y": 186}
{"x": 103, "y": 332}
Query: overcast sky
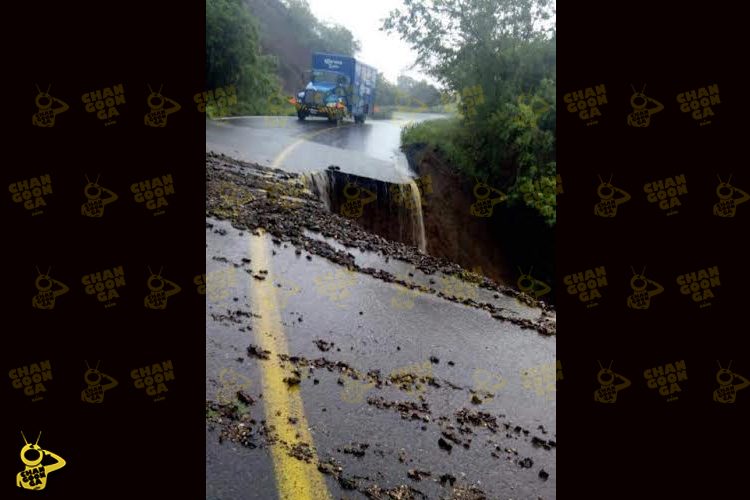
{"x": 387, "y": 53}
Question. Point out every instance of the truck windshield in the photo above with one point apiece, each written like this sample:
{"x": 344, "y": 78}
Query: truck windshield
{"x": 329, "y": 77}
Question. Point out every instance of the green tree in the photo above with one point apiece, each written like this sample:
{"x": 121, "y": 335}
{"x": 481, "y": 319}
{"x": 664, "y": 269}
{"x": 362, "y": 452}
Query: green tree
{"x": 498, "y": 56}
{"x": 233, "y": 56}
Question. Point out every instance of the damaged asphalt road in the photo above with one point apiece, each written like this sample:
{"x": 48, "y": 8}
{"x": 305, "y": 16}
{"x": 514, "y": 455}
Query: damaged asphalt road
{"x": 410, "y": 389}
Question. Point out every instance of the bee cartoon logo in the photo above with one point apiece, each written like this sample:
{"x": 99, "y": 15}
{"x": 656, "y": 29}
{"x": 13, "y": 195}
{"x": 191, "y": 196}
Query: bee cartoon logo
{"x": 160, "y": 289}
{"x": 95, "y": 389}
{"x": 94, "y": 205}
{"x": 46, "y": 112}
{"x": 641, "y": 115}
{"x": 104, "y": 103}
{"x": 484, "y": 205}
{"x": 607, "y": 391}
{"x": 727, "y": 390}
{"x": 34, "y": 475}
{"x": 727, "y": 204}
{"x": 355, "y": 200}
{"x": 48, "y": 290}
{"x": 530, "y": 285}
{"x": 157, "y": 114}
{"x": 641, "y": 296}
{"x": 610, "y": 197}
{"x": 31, "y": 192}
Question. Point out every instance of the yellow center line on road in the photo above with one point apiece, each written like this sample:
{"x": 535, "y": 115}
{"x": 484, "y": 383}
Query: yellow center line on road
{"x": 295, "y": 479}
{"x": 285, "y": 152}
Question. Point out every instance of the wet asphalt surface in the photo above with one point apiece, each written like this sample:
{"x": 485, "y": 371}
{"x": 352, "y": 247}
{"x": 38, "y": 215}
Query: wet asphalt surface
{"x": 406, "y": 394}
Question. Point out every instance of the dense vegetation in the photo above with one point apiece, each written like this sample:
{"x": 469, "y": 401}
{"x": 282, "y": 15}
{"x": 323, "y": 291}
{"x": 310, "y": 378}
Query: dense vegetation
{"x": 498, "y": 58}
{"x": 262, "y": 60}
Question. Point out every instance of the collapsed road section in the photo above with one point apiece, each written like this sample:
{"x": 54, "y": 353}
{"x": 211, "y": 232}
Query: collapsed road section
{"x": 342, "y": 364}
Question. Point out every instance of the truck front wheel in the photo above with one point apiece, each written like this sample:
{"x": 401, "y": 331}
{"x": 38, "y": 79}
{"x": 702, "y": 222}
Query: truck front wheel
{"x": 301, "y": 114}
{"x": 359, "y": 118}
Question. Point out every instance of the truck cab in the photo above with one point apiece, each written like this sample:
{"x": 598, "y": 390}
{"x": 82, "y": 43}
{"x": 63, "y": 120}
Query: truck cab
{"x": 339, "y": 86}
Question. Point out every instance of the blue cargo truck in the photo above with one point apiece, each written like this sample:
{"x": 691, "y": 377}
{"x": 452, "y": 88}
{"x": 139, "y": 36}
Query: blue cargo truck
{"x": 339, "y": 86}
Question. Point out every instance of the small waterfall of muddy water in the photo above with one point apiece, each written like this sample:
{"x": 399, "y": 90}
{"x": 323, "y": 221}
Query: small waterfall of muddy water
{"x": 395, "y": 214}
{"x": 417, "y": 222}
